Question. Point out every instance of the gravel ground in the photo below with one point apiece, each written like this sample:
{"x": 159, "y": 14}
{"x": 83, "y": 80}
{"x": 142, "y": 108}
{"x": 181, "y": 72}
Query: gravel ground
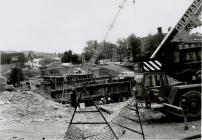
{"x": 30, "y": 116}
{"x": 155, "y": 126}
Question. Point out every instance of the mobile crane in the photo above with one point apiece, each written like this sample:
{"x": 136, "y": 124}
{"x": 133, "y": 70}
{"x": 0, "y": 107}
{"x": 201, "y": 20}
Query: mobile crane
{"x": 172, "y": 76}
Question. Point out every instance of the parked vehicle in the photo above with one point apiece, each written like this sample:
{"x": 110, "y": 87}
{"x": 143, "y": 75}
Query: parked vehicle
{"x": 172, "y": 76}
{"x": 126, "y": 74}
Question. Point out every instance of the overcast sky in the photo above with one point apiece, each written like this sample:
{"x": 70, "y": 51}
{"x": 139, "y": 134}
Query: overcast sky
{"x": 59, "y": 25}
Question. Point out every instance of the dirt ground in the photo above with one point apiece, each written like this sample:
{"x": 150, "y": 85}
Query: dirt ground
{"x": 26, "y": 115}
{"x": 158, "y": 126}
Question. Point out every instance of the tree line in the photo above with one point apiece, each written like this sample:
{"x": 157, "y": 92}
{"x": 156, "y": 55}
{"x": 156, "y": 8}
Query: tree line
{"x": 132, "y": 48}
{"x": 69, "y": 56}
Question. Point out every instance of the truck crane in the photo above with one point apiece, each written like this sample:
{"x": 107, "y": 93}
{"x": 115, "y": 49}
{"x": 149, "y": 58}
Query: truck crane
{"x": 171, "y": 79}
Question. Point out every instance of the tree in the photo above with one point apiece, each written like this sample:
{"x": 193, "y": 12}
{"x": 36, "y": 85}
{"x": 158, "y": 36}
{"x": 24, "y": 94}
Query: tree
{"x": 101, "y": 50}
{"x": 122, "y": 49}
{"x": 67, "y": 57}
{"x": 89, "y": 50}
{"x": 70, "y": 57}
{"x": 108, "y": 49}
{"x": 134, "y": 44}
{"x": 152, "y": 43}
{"x": 76, "y": 59}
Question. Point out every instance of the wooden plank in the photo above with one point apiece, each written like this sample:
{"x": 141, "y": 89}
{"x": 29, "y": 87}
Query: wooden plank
{"x": 156, "y": 106}
{"x": 95, "y": 86}
{"x": 172, "y": 106}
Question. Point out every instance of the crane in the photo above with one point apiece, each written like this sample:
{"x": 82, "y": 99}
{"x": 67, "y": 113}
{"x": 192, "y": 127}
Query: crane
{"x": 189, "y": 20}
{"x": 111, "y": 26}
{"x": 155, "y": 85}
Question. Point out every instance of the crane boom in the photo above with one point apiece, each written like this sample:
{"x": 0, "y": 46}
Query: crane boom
{"x": 188, "y": 21}
{"x": 99, "y": 49}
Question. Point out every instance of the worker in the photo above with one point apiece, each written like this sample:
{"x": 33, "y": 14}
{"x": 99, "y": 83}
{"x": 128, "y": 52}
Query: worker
{"x": 101, "y": 102}
{"x": 134, "y": 90}
{"x": 109, "y": 100}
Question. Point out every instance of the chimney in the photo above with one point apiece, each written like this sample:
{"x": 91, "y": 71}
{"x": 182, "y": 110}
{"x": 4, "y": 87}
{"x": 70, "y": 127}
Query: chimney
{"x": 159, "y": 30}
{"x": 169, "y": 28}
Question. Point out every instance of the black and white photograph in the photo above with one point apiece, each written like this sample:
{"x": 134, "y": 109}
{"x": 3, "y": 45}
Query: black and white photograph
{"x": 100, "y": 69}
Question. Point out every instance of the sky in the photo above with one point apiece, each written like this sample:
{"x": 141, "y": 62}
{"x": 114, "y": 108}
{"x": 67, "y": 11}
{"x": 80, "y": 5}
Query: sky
{"x": 59, "y": 25}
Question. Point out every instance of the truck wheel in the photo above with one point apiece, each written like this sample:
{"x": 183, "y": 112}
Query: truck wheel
{"x": 193, "y": 104}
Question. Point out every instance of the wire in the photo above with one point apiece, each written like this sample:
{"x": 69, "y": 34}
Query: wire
{"x": 115, "y": 19}
{"x": 98, "y": 50}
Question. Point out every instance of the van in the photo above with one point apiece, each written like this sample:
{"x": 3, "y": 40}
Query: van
{"x": 126, "y": 74}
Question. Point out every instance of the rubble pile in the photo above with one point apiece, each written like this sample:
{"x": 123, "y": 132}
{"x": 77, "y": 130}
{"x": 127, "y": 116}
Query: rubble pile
{"x": 31, "y": 105}
{"x": 2, "y": 83}
{"x": 14, "y": 97}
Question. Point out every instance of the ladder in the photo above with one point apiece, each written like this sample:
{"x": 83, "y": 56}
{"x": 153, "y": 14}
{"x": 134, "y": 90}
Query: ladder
{"x": 94, "y": 111}
{"x": 133, "y": 107}
{"x": 65, "y": 95}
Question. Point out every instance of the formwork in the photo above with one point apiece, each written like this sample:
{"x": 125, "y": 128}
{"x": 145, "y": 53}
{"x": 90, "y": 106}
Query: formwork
{"x": 60, "y": 89}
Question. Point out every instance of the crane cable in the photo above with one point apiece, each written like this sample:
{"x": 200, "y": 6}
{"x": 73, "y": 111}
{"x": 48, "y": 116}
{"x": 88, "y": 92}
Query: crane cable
{"x": 121, "y": 6}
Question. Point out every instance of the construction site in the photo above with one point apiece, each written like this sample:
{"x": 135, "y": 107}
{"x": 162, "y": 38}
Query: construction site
{"x": 155, "y": 95}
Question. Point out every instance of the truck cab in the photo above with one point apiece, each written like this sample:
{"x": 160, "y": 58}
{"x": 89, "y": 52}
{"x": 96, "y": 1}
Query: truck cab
{"x": 157, "y": 82}
{"x": 159, "y": 88}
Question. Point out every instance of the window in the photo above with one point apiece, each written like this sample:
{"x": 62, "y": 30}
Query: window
{"x": 199, "y": 55}
{"x": 191, "y": 56}
{"x": 152, "y": 80}
{"x": 186, "y": 46}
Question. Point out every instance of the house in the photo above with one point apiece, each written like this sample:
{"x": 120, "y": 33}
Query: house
{"x": 9, "y": 58}
{"x": 34, "y": 63}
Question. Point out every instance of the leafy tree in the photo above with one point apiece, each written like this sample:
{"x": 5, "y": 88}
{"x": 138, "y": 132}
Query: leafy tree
{"x": 122, "y": 49}
{"x": 76, "y": 59}
{"x": 70, "y": 57}
{"x": 89, "y": 50}
{"x": 108, "y": 49}
{"x": 134, "y": 44}
{"x": 152, "y": 43}
{"x": 67, "y": 57}
{"x": 102, "y": 50}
